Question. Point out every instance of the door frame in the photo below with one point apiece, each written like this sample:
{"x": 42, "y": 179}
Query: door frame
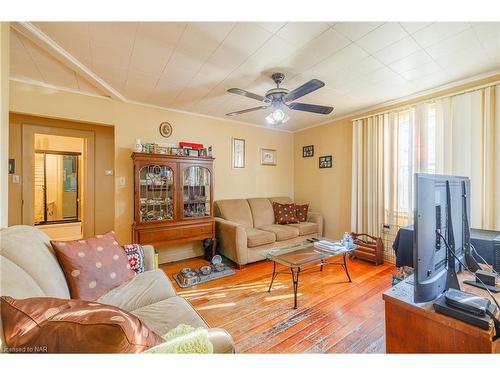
{"x": 28, "y": 154}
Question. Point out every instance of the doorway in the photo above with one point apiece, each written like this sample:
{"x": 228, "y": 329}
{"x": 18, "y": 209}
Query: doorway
{"x": 58, "y": 181}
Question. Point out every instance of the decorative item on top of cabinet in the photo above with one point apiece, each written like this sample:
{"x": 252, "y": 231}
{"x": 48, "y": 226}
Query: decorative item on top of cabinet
{"x": 173, "y": 199}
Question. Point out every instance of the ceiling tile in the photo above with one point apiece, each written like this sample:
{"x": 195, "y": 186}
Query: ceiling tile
{"x": 410, "y": 62}
{"x": 356, "y": 30}
{"x": 382, "y": 37}
{"x": 487, "y": 30}
{"x": 421, "y": 71}
{"x": 316, "y": 50}
{"x": 340, "y": 60}
{"x": 272, "y": 27}
{"x": 463, "y": 40}
{"x": 412, "y": 27}
{"x": 398, "y": 50}
{"x": 299, "y": 33}
{"x": 438, "y": 31}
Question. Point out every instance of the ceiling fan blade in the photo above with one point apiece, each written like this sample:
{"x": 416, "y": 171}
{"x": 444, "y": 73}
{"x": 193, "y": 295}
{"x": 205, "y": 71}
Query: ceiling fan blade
{"x": 305, "y": 89}
{"x": 311, "y": 108}
{"x": 248, "y": 94}
{"x": 247, "y": 110}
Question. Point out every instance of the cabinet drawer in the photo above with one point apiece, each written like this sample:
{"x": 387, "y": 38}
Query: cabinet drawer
{"x": 174, "y": 234}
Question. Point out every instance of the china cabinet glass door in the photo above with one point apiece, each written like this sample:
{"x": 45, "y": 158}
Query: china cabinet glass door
{"x": 156, "y": 193}
{"x": 196, "y": 192}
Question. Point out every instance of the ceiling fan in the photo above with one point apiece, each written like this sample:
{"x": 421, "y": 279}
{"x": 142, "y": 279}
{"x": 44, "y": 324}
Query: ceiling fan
{"x": 279, "y": 97}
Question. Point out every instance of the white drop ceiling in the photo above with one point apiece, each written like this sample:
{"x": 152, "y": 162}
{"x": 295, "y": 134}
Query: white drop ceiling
{"x": 190, "y": 66}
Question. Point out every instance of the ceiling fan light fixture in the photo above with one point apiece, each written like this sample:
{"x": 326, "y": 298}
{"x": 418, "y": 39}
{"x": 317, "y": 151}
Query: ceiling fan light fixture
{"x": 277, "y": 117}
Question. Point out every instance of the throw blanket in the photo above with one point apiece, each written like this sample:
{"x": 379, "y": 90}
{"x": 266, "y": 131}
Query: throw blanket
{"x": 184, "y": 339}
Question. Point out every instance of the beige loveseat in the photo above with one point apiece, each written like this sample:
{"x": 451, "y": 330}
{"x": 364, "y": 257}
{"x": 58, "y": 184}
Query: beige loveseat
{"x": 245, "y": 226}
{"x": 29, "y": 268}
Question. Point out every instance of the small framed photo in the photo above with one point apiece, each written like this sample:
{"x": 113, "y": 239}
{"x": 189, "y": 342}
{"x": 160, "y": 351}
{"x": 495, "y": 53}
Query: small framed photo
{"x": 267, "y": 156}
{"x": 194, "y": 152}
{"x": 308, "y": 151}
{"x": 325, "y": 161}
{"x": 238, "y": 153}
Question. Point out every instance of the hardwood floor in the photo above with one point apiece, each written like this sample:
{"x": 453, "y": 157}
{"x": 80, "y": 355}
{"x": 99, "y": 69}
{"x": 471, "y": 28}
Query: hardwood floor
{"x": 333, "y": 316}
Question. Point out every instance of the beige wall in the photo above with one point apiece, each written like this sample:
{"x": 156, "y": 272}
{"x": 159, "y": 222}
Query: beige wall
{"x": 4, "y": 120}
{"x": 330, "y": 189}
{"x": 132, "y": 121}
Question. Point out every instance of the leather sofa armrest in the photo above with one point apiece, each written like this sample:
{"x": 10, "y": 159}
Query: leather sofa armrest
{"x": 233, "y": 240}
{"x": 149, "y": 257}
{"x": 221, "y": 340}
{"x": 316, "y": 217}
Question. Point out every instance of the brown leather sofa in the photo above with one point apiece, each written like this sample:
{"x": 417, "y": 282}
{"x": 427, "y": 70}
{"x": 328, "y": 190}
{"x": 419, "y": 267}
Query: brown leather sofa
{"x": 245, "y": 226}
{"x": 29, "y": 268}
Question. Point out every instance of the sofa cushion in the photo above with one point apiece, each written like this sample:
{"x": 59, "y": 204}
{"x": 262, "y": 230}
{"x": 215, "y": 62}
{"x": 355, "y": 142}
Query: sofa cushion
{"x": 93, "y": 266}
{"x": 26, "y": 258}
{"x": 305, "y": 228}
{"x": 257, "y": 237}
{"x": 282, "y": 232}
{"x": 142, "y": 290}
{"x": 262, "y": 211}
{"x": 164, "y": 315}
{"x": 236, "y": 210}
{"x": 72, "y": 326}
{"x": 284, "y": 213}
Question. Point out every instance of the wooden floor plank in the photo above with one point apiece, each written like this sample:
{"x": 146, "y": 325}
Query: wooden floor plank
{"x": 333, "y": 315}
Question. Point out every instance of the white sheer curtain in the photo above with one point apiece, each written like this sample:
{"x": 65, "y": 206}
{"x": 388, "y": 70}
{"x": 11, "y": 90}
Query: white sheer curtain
{"x": 468, "y": 132}
{"x": 367, "y": 212}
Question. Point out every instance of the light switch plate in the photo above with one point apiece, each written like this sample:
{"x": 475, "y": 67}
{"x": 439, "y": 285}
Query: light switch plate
{"x": 121, "y": 181}
{"x": 15, "y": 179}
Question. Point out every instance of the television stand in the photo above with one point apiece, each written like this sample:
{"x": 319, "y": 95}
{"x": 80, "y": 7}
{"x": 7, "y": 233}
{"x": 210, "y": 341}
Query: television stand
{"x": 416, "y": 328}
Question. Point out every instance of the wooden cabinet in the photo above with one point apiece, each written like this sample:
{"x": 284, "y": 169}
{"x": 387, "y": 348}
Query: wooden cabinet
{"x": 173, "y": 199}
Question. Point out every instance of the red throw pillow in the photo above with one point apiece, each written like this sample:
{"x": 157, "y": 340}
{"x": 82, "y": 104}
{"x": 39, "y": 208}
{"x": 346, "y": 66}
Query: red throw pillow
{"x": 93, "y": 266}
{"x": 53, "y": 325}
{"x": 284, "y": 213}
{"x": 301, "y": 211}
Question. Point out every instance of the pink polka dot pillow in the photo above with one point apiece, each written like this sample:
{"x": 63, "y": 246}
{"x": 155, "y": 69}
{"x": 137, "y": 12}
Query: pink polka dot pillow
{"x": 93, "y": 266}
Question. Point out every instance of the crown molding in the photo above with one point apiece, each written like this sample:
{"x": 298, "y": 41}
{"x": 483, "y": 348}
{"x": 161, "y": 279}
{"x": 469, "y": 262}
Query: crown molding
{"x": 42, "y": 40}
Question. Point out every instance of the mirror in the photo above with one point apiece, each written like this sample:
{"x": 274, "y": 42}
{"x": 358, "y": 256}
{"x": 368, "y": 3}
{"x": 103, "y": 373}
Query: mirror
{"x": 56, "y": 185}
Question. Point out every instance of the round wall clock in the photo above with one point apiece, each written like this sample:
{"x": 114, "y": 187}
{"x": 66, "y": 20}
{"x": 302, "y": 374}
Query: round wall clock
{"x": 165, "y": 129}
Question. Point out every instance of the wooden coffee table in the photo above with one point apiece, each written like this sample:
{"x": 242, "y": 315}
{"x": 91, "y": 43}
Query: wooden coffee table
{"x": 302, "y": 257}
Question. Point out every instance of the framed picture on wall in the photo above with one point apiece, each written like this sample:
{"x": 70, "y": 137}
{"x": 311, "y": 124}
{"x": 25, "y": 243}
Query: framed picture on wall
{"x": 325, "y": 161}
{"x": 308, "y": 151}
{"x": 267, "y": 156}
{"x": 238, "y": 153}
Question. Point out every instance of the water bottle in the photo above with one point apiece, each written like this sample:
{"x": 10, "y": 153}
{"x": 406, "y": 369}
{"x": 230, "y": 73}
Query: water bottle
{"x": 345, "y": 240}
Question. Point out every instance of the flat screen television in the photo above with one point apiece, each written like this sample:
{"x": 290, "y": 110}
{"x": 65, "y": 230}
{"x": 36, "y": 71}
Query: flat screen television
{"x": 442, "y": 204}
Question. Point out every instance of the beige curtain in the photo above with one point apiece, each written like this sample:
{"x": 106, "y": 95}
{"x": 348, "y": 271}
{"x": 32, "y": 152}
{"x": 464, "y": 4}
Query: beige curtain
{"x": 468, "y": 139}
{"x": 388, "y": 149}
{"x": 367, "y": 209}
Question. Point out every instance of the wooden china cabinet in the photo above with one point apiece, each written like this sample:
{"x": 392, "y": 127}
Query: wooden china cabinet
{"x": 173, "y": 199}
